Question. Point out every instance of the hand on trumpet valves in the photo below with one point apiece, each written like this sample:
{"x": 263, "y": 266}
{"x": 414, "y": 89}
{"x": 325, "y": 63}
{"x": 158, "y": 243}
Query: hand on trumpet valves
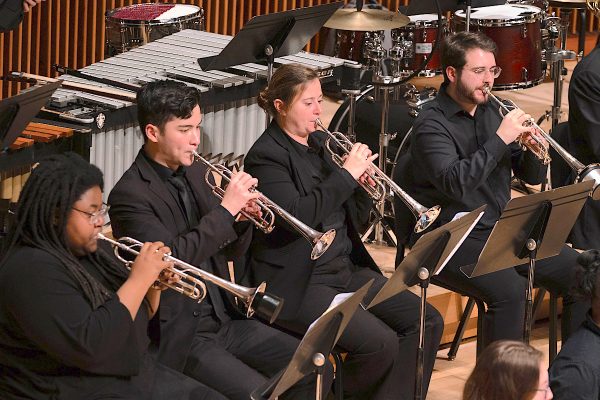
{"x": 251, "y": 208}
{"x": 150, "y": 263}
{"x": 512, "y": 125}
{"x": 358, "y": 160}
{"x": 239, "y": 192}
{"x": 165, "y": 278}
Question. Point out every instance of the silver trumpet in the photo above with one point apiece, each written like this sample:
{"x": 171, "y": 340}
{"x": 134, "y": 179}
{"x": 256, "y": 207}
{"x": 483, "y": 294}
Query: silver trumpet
{"x": 191, "y": 284}
{"x": 320, "y": 241}
{"x": 383, "y": 183}
{"x": 589, "y": 172}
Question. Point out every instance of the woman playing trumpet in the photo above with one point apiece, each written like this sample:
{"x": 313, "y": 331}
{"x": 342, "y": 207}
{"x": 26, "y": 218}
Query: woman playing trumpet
{"x": 296, "y": 172}
{"x": 73, "y": 320}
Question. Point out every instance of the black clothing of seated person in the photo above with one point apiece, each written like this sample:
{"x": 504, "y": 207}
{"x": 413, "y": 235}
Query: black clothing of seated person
{"x": 295, "y": 172}
{"x": 73, "y": 320}
{"x": 575, "y": 372}
{"x": 461, "y": 156}
{"x": 212, "y": 341}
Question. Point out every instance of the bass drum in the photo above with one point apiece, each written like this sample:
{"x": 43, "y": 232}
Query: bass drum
{"x": 367, "y": 119}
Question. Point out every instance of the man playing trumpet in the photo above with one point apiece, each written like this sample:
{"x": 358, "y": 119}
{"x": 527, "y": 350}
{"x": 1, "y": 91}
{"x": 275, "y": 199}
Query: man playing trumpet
{"x": 461, "y": 156}
{"x": 164, "y": 196}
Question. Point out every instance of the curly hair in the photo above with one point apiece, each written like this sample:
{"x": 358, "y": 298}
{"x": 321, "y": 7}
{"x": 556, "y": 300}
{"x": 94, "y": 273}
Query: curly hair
{"x": 41, "y": 219}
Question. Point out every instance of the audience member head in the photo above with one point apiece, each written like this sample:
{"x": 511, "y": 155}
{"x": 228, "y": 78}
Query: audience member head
{"x": 508, "y": 370}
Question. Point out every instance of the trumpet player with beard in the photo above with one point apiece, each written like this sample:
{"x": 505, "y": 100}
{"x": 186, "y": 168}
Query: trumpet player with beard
{"x": 461, "y": 156}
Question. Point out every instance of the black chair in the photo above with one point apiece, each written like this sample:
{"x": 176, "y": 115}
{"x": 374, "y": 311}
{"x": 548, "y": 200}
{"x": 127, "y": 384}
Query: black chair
{"x": 553, "y": 321}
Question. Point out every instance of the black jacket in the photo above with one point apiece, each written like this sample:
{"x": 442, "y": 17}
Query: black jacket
{"x": 143, "y": 208}
{"x": 282, "y": 258}
{"x": 583, "y": 141}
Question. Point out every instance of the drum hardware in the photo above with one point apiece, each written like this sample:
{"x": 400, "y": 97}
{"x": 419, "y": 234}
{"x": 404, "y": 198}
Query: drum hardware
{"x": 191, "y": 282}
{"x": 384, "y": 185}
{"x": 319, "y": 241}
{"x": 589, "y": 172}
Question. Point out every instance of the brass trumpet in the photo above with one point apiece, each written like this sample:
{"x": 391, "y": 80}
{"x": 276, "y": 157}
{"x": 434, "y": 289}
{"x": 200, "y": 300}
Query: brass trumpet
{"x": 191, "y": 284}
{"x": 589, "y": 172}
{"x": 320, "y": 241}
{"x": 383, "y": 183}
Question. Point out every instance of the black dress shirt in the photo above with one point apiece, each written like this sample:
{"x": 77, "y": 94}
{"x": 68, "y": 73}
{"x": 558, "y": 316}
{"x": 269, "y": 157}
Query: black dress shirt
{"x": 460, "y": 163}
{"x": 575, "y": 373}
{"x": 314, "y": 153}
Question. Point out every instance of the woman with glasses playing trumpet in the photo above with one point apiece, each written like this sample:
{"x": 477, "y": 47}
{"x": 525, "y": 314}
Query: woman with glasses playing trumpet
{"x": 296, "y": 172}
{"x": 461, "y": 156}
{"x": 73, "y": 320}
{"x": 164, "y": 196}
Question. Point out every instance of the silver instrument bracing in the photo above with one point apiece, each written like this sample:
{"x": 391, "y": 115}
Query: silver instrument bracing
{"x": 191, "y": 284}
{"x": 383, "y": 183}
{"x": 589, "y": 172}
{"x": 319, "y": 241}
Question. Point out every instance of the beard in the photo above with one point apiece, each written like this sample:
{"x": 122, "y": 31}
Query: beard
{"x": 468, "y": 94}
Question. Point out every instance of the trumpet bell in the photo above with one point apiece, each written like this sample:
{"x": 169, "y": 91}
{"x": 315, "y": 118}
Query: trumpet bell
{"x": 591, "y": 173}
{"x": 264, "y": 304}
{"x": 322, "y": 244}
{"x": 427, "y": 218}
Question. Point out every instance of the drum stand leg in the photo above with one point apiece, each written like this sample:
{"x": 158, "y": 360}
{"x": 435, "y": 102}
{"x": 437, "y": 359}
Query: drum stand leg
{"x": 379, "y": 225}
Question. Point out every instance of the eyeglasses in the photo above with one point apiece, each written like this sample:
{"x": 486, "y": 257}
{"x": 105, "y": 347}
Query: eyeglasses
{"x": 96, "y": 216}
{"x": 480, "y": 71}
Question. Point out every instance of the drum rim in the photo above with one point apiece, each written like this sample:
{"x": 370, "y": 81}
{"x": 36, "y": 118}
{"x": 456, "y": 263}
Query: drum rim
{"x": 489, "y": 22}
{"x": 185, "y": 18}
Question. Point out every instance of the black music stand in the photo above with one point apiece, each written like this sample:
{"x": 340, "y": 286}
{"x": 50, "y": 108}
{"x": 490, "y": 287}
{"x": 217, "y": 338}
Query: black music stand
{"x": 265, "y": 37}
{"x": 17, "y": 111}
{"x": 427, "y": 257}
{"x": 315, "y": 346}
{"x": 532, "y": 227}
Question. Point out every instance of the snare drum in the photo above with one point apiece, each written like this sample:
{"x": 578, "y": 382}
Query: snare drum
{"x": 138, "y": 24}
{"x": 517, "y": 32}
{"x": 413, "y": 42}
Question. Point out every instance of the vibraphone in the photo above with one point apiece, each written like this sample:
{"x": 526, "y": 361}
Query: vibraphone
{"x": 232, "y": 120}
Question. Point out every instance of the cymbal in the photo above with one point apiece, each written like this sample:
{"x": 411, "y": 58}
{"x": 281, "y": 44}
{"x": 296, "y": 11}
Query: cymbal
{"x": 350, "y": 19}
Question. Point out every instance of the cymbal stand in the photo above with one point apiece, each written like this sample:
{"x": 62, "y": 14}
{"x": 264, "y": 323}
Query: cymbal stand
{"x": 556, "y": 59}
{"x": 384, "y": 85}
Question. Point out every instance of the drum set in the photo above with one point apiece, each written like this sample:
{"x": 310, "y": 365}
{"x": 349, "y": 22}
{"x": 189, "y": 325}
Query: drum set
{"x": 393, "y": 48}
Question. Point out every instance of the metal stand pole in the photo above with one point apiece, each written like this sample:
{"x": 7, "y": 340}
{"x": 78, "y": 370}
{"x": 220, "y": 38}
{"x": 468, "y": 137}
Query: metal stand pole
{"x": 424, "y": 278}
{"x": 532, "y": 247}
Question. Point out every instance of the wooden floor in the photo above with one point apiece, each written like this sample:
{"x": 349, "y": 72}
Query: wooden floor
{"x": 449, "y": 376}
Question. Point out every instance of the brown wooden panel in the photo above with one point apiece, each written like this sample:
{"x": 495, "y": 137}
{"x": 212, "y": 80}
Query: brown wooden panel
{"x": 72, "y": 32}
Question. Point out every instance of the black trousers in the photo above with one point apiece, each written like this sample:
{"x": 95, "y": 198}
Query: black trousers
{"x": 242, "y": 355}
{"x": 382, "y": 342}
{"x": 504, "y": 291}
{"x": 159, "y": 382}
